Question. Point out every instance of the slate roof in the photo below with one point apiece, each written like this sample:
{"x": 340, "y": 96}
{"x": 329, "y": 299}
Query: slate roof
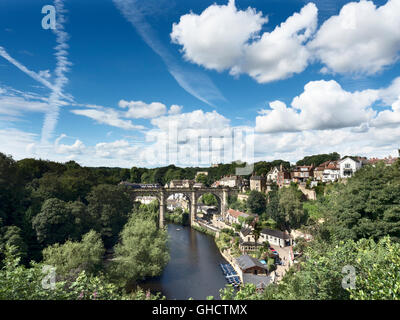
{"x": 245, "y": 231}
{"x": 275, "y": 233}
{"x": 245, "y": 262}
{"x": 259, "y": 281}
{"x": 257, "y": 178}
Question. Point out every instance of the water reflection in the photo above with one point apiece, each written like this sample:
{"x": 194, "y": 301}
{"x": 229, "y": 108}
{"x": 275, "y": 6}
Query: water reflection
{"x": 193, "y": 270}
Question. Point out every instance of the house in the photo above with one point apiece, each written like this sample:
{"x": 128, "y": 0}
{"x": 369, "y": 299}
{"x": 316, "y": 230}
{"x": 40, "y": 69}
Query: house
{"x": 180, "y": 184}
{"x": 283, "y": 178}
{"x": 276, "y": 237}
{"x": 272, "y": 175}
{"x": 146, "y": 199}
{"x": 329, "y": 171}
{"x": 204, "y": 173}
{"x": 232, "y": 216}
{"x": 302, "y": 173}
{"x": 250, "y": 265}
{"x": 230, "y": 181}
{"x": 198, "y": 185}
{"x": 243, "y": 197}
{"x": 247, "y": 241}
{"x": 319, "y": 172}
{"x": 257, "y": 183}
{"x": 348, "y": 166}
{"x": 260, "y": 282}
{"x": 387, "y": 161}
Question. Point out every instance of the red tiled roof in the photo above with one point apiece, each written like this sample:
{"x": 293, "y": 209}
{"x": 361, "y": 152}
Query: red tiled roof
{"x": 235, "y": 213}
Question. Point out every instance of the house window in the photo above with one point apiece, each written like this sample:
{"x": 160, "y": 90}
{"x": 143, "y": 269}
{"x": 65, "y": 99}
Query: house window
{"x": 347, "y": 165}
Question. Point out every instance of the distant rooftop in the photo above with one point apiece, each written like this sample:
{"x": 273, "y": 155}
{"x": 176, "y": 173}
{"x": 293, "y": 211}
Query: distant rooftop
{"x": 245, "y": 262}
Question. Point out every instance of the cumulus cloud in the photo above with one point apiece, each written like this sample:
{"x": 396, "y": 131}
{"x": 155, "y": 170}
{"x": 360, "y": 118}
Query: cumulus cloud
{"x": 322, "y": 105}
{"x": 142, "y": 110}
{"x": 223, "y": 37}
{"x": 388, "y": 118}
{"x": 107, "y": 116}
{"x": 215, "y": 39}
{"x": 362, "y": 39}
{"x": 75, "y": 148}
{"x": 280, "y": 53}
{"x": 175, "y": 109}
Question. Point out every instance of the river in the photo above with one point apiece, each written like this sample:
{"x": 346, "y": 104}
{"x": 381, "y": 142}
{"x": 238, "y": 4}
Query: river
{"x": 193, "y": 270}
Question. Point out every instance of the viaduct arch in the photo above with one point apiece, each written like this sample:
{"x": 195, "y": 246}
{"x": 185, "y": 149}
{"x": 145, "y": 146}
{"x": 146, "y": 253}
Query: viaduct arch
{"x": 193, "y": 194}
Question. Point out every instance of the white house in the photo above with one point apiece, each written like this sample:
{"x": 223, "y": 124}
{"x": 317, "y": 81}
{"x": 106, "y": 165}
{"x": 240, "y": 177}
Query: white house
{"x": 348, "y": 167}
{"x": 232, "y": 216}
{"x": 273, "y": 174}
{"x": 331, "y": 171}
{"x": 276, "y": 237}
{"x": 248, "y": 242}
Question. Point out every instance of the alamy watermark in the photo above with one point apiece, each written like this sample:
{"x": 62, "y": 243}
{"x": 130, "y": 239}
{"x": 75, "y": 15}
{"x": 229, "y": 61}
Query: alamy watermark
{"x": 188, "y": 147}
{"x": 49, "y": 279}
{"x": 49, "y": 20}
{"x": 349, "y": 281}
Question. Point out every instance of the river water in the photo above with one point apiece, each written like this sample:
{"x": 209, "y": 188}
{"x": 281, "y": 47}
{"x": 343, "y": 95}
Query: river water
{"x": 193, "y": 270}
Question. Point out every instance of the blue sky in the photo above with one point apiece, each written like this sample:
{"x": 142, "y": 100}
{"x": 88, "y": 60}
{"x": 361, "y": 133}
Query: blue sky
{"x": 140, "y": 83}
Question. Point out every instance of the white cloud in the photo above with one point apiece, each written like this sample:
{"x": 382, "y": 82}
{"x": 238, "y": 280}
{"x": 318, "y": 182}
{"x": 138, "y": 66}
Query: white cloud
{"x": 361, "y": 39}
{"x": 16, "y": 142}
{"x": 15, "y": 104}
{"x": 390, "y": 94}
{"x": 388, "y": 118}
{"x": 222, "y": 37}
{"x": 281, "y": 53}
{"x": 117, "y": 149}
{"x": 175, "y": 109}
{"x": 76, "y": 148}
{"x": 322, "y": 105}
{"x": 45, "y": 74}
{"x": 142, "y": 110}
{"x": 216, "y": 38}
{"x": 108, "y": 116}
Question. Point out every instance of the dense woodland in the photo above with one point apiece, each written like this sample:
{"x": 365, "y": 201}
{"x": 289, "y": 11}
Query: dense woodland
{"x": 81, "y": 221}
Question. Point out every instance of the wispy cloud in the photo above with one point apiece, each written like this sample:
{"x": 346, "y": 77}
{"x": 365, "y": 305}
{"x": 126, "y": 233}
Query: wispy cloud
{"x": 194, "y": 82}
{"x": 24, "y": 69}
{"x": 61, "y": 80}
{"x": 108, "y": 116}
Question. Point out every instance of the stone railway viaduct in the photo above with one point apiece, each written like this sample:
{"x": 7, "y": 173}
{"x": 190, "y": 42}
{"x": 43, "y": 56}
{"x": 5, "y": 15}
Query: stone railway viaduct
{"x": 192, "y": 194}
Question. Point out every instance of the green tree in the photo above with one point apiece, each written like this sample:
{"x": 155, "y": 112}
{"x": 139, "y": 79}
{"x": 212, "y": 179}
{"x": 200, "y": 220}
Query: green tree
{"x": 54, "y": 223}
{"x": 291, "y": 208}
{"x": 109, "y": 208}
{"x": 256, "y": 202}
{"x": 209, "y": 199}
{"x": 12, "y": 237}
{"x": 368, "y": 205}
{"x": 202, "y": 178}
{"x": 18, "y": 282}
{"x": 75, "y": 257}
{"x": 318, "y": 159}
{"x": 142, "y": 251}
